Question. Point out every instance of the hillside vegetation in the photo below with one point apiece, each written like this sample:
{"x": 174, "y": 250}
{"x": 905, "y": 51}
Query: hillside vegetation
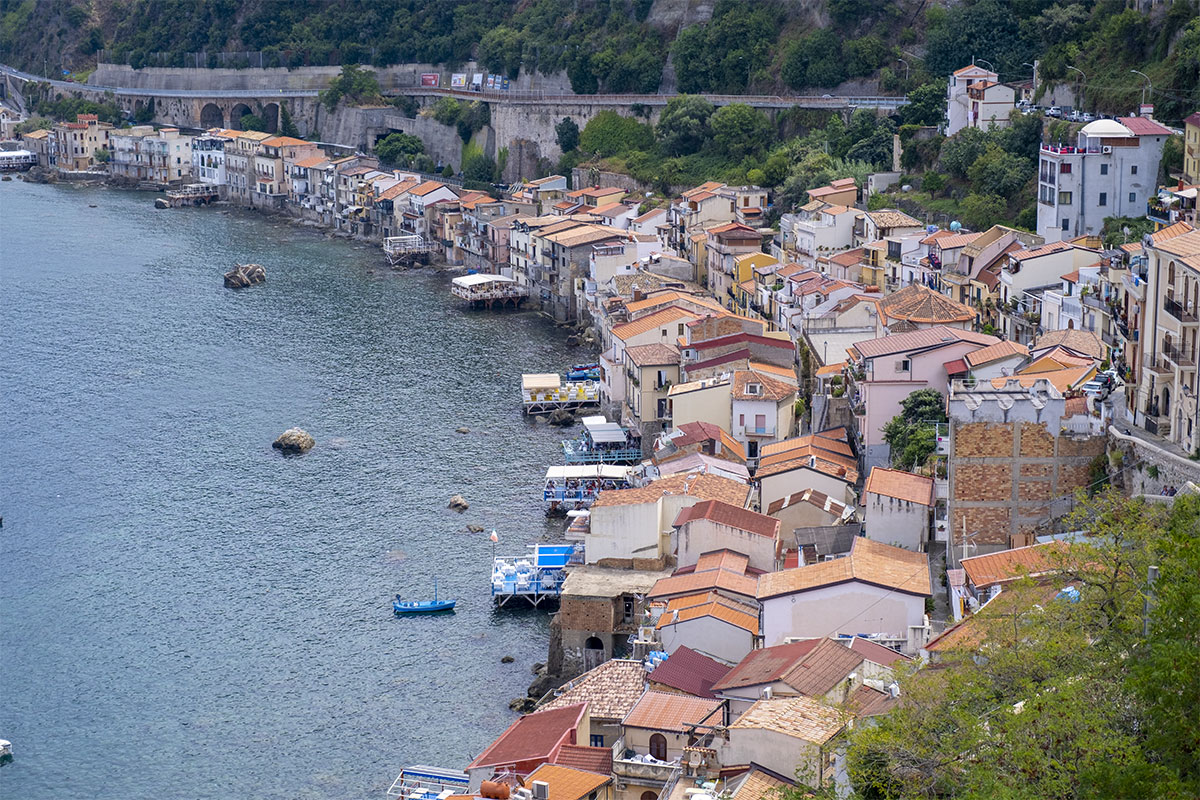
{"x": 623, "y": 45}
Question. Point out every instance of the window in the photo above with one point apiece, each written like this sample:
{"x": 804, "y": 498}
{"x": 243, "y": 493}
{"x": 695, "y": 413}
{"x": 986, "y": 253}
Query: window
{"x": 1103, "y": 198}
{"x": 680, "y": 329}
{"x": 1133, "y": 197}
{"x": 658, "y": 746}
{"x": 1104, "y": 169}
{"x": 754, "y": 388}
{"x": 1066, "y": 224}
{"x": 597, "y": 740}
{"x": 1064, "y": 168}
{"x": 1064, "y": 198}
{"x": 905, "y": 365}
{"x": 1133, "y": 170}
{"x": 752, "y": 448}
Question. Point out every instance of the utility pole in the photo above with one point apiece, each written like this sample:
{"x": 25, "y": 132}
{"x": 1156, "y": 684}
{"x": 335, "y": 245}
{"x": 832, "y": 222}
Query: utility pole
{"x": 1148, "y": 84}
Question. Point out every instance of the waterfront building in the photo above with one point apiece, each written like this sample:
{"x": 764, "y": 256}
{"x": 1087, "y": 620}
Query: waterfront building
{"x": 272, "y": 164}
{"x": 600, "y": 608}
{"x": 73, "y": 145}
{"x": 668, "y": 728}
{"x": 531, "y": 741}
{"x": 142, "y": 154}
{"x": 38, "y": 143}
{"x": 650, "y": 371}
{"x": 1111, "y": 170}
{"x": 541, "y": 194}
{"x": 239, "y": 164}
{"x": 304, "y": 187}
{"x": 208, "y": 157}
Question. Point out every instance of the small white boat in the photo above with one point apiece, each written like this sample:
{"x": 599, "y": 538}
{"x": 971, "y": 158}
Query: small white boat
{"x": 5, "y": 749}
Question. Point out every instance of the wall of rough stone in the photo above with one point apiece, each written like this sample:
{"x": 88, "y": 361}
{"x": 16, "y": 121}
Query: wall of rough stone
{"x": 1136, "y": 459}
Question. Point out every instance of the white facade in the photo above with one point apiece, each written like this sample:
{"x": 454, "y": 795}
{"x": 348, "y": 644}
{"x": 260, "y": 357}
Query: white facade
{"x": 699, "y": 536}
{"x": 208, "y": 159}
{"x": 901, "y": 523}
{"x": 1110, "y": 171}
{"x": 709, "y": 636}
{"x": 958, "y": 102}
{"x": 850, "y": 608}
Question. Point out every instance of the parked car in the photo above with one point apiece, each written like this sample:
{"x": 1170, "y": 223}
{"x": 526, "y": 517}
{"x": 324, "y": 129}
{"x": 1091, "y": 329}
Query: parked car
{"x": 1095, "y": 389}
{"x": 1054, "y": 111}
{"x": 1076, "y": 116}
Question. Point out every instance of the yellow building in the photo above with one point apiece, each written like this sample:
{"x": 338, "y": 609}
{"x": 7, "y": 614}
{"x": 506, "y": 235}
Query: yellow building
{"x": 744, "y": 268}
{"x": 1191, "y": 149}
{"x": 874, "y": 265}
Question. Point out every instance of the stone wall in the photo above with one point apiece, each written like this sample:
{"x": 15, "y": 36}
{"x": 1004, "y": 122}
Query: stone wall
{"x": 1008, "y": 479}
{"x": 1133, "y": 465}
{"x": 361, "y": 127}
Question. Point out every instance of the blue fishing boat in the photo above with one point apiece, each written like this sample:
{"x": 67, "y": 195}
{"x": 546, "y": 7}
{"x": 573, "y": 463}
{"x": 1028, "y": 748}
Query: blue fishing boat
{"x": 401, "y": 606}
{"x": 584, "y": 372}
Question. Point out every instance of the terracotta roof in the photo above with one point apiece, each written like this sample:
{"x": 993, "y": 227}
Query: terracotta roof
{"x": 689, "y": 672}
{"x": 920, "y": 304}
{"x": 283, "y": 141}
{"x": 698, "y": 432}
{"x": 926, "y": 338}
{"x": 1007, "y": 565}
{"x": 690, "y": 583}
{"x": 957, "y": 240}
{"x": 391, "y": 193}
{"x": 670, "y": 297}
{"x": 533, "y": 736}
{"x": 1075, "y": 406}
{"x": 733, "y": 516}
{"x": 972, "y": 68}
{"x": 610, "y": 689}
{"x": 769, "y": 388}
{"x": 314, "y": 161}
{"x": 815, "y": 461}
{"x": 655, "y": 354}
{"x": 847, "y": 258}
{"x": 869, "y": 562}
{"x": 741, "y": 231}
{"x": 875, "y": 652}
{"x": 743, "y": 617}
{"x": 765, "y": 665}
{"x": 867, "y": 702}
{"x": 1170, "y": 232}
{"x": 649, "y": 322}
{"x": 901, "y": 485}
{"x": 787, "y": 374}
{"x": 996, "y": 352}
{"x": 821, "y": 669}
{"x": 1082, "y": 342}
{"x": 588, "y": 759}
{"x": 819, "y": 441}
{"x": 893, "y": 219}
{"x": 428, "y": 187}
{"x": 813, "y": 498}
{"x": 703, "y": 487}
{"x": 564, "y": 783}
{"x": 1193, "y": 119}
{"x": 661, "y": 711}
{"x": 761, "y": 784}
{"x": 1144, "y": 126}
{"x": 995, "y": 617}
{"x": 798, "y": 717}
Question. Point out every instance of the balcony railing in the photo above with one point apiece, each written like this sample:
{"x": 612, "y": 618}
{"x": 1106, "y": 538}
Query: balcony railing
{"x": 1177, "y": 310}
{"x": 759, "y": 430}
{"x": 1181, "y": 358}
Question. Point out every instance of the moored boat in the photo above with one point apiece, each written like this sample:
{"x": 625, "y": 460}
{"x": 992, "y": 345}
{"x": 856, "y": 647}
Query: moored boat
{"x": 400, "y": 606}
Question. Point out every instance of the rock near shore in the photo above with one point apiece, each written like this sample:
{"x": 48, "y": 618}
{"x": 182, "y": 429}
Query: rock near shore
{"x": 243, "y": 275}
{"x": 458, "y": 503}
{"x": 294, "y": 441}
{"x": 561, "y": 417}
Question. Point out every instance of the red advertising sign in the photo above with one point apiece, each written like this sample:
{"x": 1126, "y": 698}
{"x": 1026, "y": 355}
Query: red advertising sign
{"x": 430, "y": 78}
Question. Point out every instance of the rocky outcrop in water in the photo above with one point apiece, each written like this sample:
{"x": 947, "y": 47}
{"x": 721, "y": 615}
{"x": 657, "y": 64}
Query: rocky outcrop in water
{"x": 561, "y": 417}
{"x": 243, "y": 275}
{"x": 294, "y": 441}
{"x": 458, "y": 503}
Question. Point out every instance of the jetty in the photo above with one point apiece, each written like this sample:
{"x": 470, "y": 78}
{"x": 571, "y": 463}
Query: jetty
{"x": 428, "y": 783}
{"x": 545, "y": 392}
{"x": 575, "y": 486}
{"x": 603, "y": 442}
{"x": 407, "y": 250}
{"x": 194, "y": 194}
{"x": 487, "y": 291}
{"x": 535, "y": 577}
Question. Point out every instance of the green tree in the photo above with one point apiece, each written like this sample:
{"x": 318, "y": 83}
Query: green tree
{"x": 960, "y": 151}
{"x": 1116, "y": 231}
{"x": 608, "y": 133}
{"x": 286, "y": 126}
{"x": 982, "y": 211}
{"x": 926, "y": 105}
{"x": 910, "y": 434}
{"x": 398, "y": 148}
{"x": 683, "y": 128}
{"x": 355, "y": 85}
{"x": 478, "y": 168}
{"x": 997, "y": 172}
{"x": 102, "y": 155}
{"x": 567, "y": 132}
{"x": 252, "y": 122}
{"x": 740, "y": 130}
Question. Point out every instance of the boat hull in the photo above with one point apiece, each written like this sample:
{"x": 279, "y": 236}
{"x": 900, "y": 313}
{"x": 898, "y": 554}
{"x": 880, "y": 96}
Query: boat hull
{"x": 403, "y": 608}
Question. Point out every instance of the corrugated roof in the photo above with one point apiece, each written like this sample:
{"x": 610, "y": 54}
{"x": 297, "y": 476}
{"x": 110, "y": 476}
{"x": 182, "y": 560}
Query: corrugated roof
{"x": 869, "y": 562}
{"x": 798, "y": 717}
{"x": 610, "y": 690}
{"x": 689, "y": 672}
{"x": 1144, "y": 126}
{"x": 900, "y": 485}
{"x": 660, "y": 711}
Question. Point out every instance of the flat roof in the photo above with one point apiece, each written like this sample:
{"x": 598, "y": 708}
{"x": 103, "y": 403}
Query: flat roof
{"x": 593, "y": 581}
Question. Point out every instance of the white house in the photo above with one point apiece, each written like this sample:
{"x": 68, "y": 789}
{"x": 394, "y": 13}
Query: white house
{"x": 710, "y": 624}
{"x": 959, "y": 103}
{"x": 878, "y": 590}
{"x": 1000, "y": 360}
{"x": 713, "y": 525}
{"x": 898, "y": 507}
{"x": 791, "y": 736}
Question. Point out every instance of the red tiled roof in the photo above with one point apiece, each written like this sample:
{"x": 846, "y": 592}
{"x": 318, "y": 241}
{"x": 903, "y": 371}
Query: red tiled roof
{"x": 875, "y": 652}
{"x": 588, "y": 759}
{"x": 869, "y": 562}
{"x": 670, "y": 712}
{"x": 1144, "y": 126}
{"x": 725, "y": 514}
{"x": 766, "y": 665}
{"x": 533, "y": 736}
{"x": 1007, "y": 565}
{"x": 900, "y": 485}
{"x": 689, "y": 672}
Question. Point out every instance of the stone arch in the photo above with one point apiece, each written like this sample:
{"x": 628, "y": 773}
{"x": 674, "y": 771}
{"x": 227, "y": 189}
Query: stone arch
{"x": 270, "y": 117}
{"x": 236, "y": 113}
{"x": 211, "y": 116}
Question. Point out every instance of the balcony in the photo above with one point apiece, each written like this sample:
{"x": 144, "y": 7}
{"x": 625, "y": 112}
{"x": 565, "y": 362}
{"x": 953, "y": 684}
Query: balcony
{"x": 624, "y": 766}
{"x": 759, "y": 430}
{"x": 1177, "y": 355}
{"x": 1177, "y": 310}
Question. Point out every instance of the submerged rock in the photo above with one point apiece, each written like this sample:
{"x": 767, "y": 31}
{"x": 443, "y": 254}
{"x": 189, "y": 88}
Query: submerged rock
{"x": 243, "y": 275}
{"x": 522, "y": 704}
{"x": 294, "y": 440}
{"x": 561, "y": 417}
{"x": 475, "y": 528}
{"x": 507, "y": 660}
{"x": 458, "y": 503}
{"x": 463, "y": 429}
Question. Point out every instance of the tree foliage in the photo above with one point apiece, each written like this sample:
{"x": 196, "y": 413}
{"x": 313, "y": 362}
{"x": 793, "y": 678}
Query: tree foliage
{"x": 911, "y": 434}
{"x": 354, "y": 85}
{"x": 609, "y": 133}
{"x": 398, "y": 149}
{"x": 287, "y": 126}
{"x": 567, "y": 132}
{"x": 683, "y": 128}
{"x": 1060, "y": 696}
{"x": 740, "y": 130}
{"x": 723, "y": 54}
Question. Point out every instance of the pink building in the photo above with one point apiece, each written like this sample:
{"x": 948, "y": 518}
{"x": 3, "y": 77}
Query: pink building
{"x": 886, "y": 370}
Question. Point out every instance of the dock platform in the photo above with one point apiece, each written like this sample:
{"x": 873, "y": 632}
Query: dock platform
{"x": 407, "y": 250}
{"x": 194, "y": 194}
{"x": 545, "y": 392}
{"x": 428, "y": 783}
{"x": 535, "y": 577}
{"x": 603, "y": 442}
{"x": 488, "y": 291}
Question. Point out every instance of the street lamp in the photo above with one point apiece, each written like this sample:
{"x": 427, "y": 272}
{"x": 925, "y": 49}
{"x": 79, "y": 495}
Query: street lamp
{"x": 983, "y": 61}
{"x": 905, "y": 63}
{"x": 1082, "y": 79}
{"x": 1148, "y": 84}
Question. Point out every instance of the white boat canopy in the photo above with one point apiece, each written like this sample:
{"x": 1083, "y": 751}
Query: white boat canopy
{"x": 610, "y": 472}
{"x": 481, "y": 279}
{"x": 605, "y": 432}
{"x": 540, "y": 381}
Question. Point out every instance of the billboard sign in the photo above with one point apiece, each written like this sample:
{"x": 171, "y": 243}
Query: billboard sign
{"x": 430, "y": 78}
{"x": 458, "y": 80}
